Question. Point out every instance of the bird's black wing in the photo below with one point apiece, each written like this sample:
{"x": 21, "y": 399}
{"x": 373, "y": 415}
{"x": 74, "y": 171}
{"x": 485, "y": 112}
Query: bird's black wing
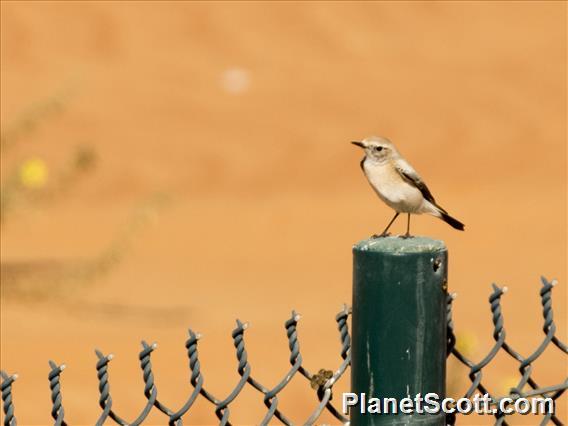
{"x": 410, "y": 175}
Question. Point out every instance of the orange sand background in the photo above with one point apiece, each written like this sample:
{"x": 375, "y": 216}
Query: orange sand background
{"x": 265, "y": 194}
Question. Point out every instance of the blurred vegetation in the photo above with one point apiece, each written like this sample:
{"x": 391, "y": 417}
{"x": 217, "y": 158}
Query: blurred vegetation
{"x": 30, "y": 119}
{"x": 32, "y": 183}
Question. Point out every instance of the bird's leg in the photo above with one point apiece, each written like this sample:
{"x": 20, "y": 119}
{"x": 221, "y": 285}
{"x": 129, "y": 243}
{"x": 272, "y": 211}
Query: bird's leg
{"x": 407, "y": 235}
{"x": 385, "y": 232}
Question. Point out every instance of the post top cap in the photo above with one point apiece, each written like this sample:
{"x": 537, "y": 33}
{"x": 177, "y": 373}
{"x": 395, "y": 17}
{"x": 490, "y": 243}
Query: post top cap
{"x": 397, "y": 245}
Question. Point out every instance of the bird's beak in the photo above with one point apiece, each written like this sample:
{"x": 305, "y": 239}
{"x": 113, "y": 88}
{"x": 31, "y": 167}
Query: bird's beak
{"x": 359, "y": 144}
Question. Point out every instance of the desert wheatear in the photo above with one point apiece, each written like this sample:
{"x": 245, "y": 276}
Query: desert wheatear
{"x": 398, "y": 184}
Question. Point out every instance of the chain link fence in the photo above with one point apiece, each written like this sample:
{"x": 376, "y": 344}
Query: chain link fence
{"x": 322, "y": 382}
{"x": 527, "y": 385}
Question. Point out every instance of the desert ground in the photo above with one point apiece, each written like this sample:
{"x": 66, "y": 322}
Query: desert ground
{"x": 177, "y": 164}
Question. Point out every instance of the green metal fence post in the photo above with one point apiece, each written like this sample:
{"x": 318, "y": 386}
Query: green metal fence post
{"x": 399, "y": 330}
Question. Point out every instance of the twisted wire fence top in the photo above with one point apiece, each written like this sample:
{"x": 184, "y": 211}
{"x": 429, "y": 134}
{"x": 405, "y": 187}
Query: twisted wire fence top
{"x": 322, "y": 381}
{"x": 527, "y": 385}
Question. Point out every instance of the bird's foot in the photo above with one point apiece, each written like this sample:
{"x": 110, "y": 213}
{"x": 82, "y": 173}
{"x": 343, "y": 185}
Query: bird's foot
{"x": 406, "y": 236}
{"x": 383, "y": 235}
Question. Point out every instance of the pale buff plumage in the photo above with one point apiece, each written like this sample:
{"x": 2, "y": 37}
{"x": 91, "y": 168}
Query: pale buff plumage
{"x": 398, "y": 184}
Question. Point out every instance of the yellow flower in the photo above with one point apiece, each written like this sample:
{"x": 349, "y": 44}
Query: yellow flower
{"x": 33, "y": 173}
{"x": 508, "y": 382}
{"x": 466, "y": 343}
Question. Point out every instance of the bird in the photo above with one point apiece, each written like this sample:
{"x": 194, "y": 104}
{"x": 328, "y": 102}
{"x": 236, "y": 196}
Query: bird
{"x": 397, "y": 183}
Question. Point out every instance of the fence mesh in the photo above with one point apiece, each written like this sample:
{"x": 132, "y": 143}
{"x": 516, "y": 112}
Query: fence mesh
{"x": 527, "y": 385}
{"x": 322, "y": 382}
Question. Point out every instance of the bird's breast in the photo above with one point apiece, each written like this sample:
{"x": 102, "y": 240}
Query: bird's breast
{"x": 392, "y": 188}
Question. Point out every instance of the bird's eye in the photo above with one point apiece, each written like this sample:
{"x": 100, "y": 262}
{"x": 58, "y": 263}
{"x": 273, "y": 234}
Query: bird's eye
{"x": 378, "y": 148}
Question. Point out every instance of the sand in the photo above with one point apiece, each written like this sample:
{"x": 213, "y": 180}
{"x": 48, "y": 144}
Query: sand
{"x": 239, "y": 116}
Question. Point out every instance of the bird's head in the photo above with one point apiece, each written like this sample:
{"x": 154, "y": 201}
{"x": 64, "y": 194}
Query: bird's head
{"x": 377, "y": 148}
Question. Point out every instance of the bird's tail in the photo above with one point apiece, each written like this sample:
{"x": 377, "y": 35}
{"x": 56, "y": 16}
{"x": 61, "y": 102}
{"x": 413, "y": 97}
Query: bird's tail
{"x": 435, "y": 210}
{"x": 454, "y": 223}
